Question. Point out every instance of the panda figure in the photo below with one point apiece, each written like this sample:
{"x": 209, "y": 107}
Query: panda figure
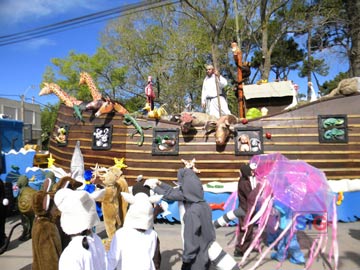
{"x": 255, "y": 145}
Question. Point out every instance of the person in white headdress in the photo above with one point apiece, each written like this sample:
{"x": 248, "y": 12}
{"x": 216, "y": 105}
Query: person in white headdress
{"x": 313, "y": 94}
{"x": 78, "y": 217}
{"x": 134, "y": 245}
{"x": 209, "y": 93}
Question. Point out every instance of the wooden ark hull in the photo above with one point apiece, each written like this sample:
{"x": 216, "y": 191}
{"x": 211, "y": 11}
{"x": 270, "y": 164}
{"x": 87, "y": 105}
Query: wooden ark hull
{"x": 294, "y": 133}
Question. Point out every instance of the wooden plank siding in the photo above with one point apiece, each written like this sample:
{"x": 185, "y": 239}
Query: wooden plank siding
{"x": 294, "y": 134}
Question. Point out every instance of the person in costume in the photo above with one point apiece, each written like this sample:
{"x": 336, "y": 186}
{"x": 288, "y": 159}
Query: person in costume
{"x": 209, "y": 93}
{"x": 288, "y": 246}
{"x": 246, "y": 184}
{"x": 134, "y": 245}
{"x": 90, "y": 187}
{"x": 139, "y": 187}
{"x": 200, "y": 248}
{"x": 46, "y": 241}
{"x": 78, "y": 216}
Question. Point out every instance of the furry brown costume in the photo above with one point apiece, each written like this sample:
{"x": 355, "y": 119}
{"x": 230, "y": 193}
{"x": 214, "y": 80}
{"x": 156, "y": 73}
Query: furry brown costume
{"x": 114, "y": 207}
{"x": 46, "y": 242}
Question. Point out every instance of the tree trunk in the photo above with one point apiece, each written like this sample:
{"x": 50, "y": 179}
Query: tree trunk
{"x": 353, "y": 10}
{"x": 215, "y": 63}
{"x": 309, "y": 68}
{"x": 266, "y": 58}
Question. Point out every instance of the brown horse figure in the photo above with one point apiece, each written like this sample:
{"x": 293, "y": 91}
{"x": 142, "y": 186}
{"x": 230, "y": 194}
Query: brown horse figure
{"x": 110, "y": 105}
{"x": 94, "y": 105}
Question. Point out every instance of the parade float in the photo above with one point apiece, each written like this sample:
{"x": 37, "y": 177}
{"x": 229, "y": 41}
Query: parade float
{"x": 324, "y": 133}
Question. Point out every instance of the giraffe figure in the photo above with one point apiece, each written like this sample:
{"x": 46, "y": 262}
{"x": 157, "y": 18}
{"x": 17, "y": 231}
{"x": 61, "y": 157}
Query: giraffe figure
{"x": 53, "y": 88}
{"x": 85, "y": 78}
{"x": 70, "y": 101}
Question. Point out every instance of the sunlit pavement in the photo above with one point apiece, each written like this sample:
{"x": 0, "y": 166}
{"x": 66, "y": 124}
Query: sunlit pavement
{"x": 19, "y": 254}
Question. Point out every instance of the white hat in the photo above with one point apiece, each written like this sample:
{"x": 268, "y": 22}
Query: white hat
{"x": 209, "y": 66}
{"x": 253, "y": 166}
{"x": 140, "y": 214}
{"x": 78, "y": 210}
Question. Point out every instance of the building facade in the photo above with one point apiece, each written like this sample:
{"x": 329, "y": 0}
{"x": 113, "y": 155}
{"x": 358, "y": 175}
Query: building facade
{"x": 28, "y": 113}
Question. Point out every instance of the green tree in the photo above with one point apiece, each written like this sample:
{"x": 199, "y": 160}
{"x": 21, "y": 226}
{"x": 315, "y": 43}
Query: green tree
{"x": 352, "y": 12}
{"x": 172, "y": 45}
{"x": 48, "y": 119}
{"x": 317, "y": 66}
{"x": 285, "y": 57}
{"x": 101, "y": 67}
{"x": 328, "y": 86}
{"x": 315, "y": 16}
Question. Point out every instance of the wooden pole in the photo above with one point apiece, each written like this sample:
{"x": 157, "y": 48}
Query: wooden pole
{"x": 216, "y": 78}
{"x": 238, "y": 61}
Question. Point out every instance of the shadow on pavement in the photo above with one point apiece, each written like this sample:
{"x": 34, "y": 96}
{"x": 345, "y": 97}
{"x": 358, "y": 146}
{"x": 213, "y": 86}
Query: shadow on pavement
{"x": 169, "y": 258}
{"x": 354, "y": 233}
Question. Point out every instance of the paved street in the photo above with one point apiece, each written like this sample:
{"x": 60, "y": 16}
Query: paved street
{"x": 19, "y": 254}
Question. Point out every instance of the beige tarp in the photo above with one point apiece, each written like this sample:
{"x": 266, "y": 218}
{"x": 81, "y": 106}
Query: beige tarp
{"x": 266, "y": 90}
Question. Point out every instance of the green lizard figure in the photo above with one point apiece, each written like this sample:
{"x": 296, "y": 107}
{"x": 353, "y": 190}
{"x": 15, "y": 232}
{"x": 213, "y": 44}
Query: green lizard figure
{"x": 129, "y": 120}
{"x": 78, "y": 113}
{"x": 334, "y": 134}
{"x": 331, "y": 122}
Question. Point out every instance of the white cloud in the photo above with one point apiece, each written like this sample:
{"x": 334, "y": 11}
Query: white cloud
{"x": 19, "y": 11}
{"x": 37, "y": 43}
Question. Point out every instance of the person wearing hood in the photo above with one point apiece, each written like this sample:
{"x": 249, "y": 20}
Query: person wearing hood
{"x": 246, "y": 184}
{"x": 134, "y": 245}
{"x": 200, "y": 248}
{"x": 78, "y": 218}
{"x": 199, "y": 233}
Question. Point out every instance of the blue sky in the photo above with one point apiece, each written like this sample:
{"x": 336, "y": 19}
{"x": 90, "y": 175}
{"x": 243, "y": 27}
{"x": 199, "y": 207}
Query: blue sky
{"x": 23, "y": 64}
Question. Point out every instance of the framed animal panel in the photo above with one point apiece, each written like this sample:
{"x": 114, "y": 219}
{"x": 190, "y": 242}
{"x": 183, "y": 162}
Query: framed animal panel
{"x": 61, "y": 136}
{"x": 333, "y": 128}
{"x": 165, "y": 142}
{"x": 248, "y": 141}
{"x": 102, "y": 137}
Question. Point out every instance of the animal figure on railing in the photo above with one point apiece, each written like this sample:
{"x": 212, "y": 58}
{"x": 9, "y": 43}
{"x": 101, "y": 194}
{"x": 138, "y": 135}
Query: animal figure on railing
{"x": 85, "y": 78}
{"x": 156, "y": 113}
{"x": 346, "y": 87}
{"x": 109, "y": 106}
{"x": 68, "y": 100}
{"x": 223, "y": 128}
{"x": 98, "y": 100}
{"x": 193, "y": 119}
{"x": 53, "y": 88}
{"x": 94, "y": 105}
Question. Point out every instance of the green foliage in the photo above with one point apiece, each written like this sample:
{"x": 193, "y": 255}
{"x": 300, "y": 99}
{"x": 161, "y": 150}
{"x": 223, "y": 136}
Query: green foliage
{"x": 101, "y": 67}
{"x": 232, "y": 99}
{"x": 48, "y": 119}
{"x": 173, "y": 50}
{"x": 328, "y": 86}
{"x": 317, "y": 66}
{"x": 286, "y": 57}
{"x": 173, "y": 43}
{"x": 134, "y": 104}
